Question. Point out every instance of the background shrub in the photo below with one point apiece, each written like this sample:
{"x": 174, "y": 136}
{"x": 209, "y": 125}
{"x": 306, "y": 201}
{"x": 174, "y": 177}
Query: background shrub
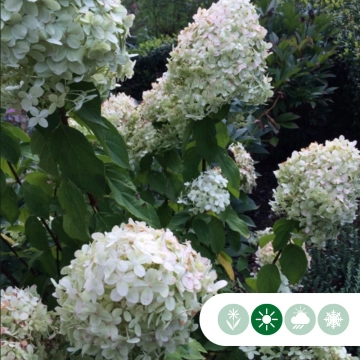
{"x": 150, "y": 65}
{"x": 337, "y": 268}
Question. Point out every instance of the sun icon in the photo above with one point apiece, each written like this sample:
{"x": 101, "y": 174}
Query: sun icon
{"x": 266, "y": 319}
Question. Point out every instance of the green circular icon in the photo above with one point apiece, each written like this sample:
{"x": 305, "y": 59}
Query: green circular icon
{"x": 333, "y": 319}
{"x": 266, "y": 319}
{"x": 233, "y": 319}
{"x": 300, "y": 319}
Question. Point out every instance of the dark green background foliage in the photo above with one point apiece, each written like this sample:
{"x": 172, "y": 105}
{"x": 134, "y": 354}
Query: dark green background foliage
{"x": 150, "y": 65}
{"x": 162, "y": 17}
{"x": 300, "y": 66}
{"x": 337, "y": 268}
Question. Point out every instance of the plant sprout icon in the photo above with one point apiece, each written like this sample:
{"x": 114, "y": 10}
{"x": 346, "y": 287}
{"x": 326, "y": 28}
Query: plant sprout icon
{"x": 266, "y": 319}
{"x": 233, "y": 314}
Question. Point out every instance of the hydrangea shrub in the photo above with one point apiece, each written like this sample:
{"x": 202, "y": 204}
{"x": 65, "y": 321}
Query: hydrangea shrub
{"x": 298, "y": 353}
{"x": 133, "y": 290}
{"x": 319, "y": 187}
{"x": 25, "y": 324}
{"x": 221, "y": 55}
{"x": 47, "y": 46}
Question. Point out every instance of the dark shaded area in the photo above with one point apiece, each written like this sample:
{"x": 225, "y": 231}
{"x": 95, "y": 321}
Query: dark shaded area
{"x": 147, "y": 69}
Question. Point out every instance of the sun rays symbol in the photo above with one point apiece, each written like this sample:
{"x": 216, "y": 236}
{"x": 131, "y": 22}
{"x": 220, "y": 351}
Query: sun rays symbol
{"x": 266, "y": 319}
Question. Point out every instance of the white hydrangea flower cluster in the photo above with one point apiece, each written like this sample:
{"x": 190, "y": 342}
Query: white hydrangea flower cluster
{"x": 118, "y": 109}
{"x": 319, "y": 187}
{"x": 25, "y": 323}
{"x": 140, "y": 135}
{"x": 220, "y": 56}
{"x": 134, "y": 289}
{"x": 208, "y": 192}
{"x": 246, "y": 167}
{"x": 298, "y": 353}
{"x": 266, "y": 255}
{"x": 47, "y": 45}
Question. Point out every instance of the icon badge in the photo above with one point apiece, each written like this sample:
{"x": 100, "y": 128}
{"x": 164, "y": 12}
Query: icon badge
{"x": 333, "y": 319}
{"x": 300, "y": 319}
{"x": 266, "y": 319}
{"x": 233, "y": 319}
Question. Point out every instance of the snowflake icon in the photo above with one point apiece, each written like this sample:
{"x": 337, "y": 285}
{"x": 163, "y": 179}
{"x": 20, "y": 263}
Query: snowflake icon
{"x": 333, "y": 319}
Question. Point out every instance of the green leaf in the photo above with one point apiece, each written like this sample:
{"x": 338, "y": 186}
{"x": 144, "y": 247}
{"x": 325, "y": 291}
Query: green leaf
{"x": 41, "y": 179}
{"x": 174, "y": 185}
{"x": 15, "y": 130}
{"x": 234, "y": 240}
{"x": 201, "y": 231}
{"x": 286, "y": 117}
{"x": 241, "y": 264}
{"x": 36, "y": 233}
{"x": 289, "y": 125}
{"x": 221, "y": 114}
{"x": 8, "y": 205}
{"x": 266, "y": 239}
{"x": 179, "y": 220}
{"x": 10, "y": 148}
{"x": 173, "y": 161}
{"x": 293, "y": 263}
{"x": 77, "y": 160}
{"x": 146, "y": 162}
{"x": 48, "y": 263}
{"x": 125, "y": 195}
{"x": 36, "y": 200}
{"x": 252, "y": 282}
{"x": 165, "y": 214}
{"x": 229, "y": 170}
{"x": 40, "y": 145}
{"x": 235, "y": 223}
{"x": 2, "y": 183}
{"x": 216, "y": 235}
{"x": 205, "y": 137}
{"x": 268, "y": 279}
{"x": 57, "y": 225}
{"x": 282, "y": 229}
{"x": 192, "y": 161}
{"x": 157, "y": 181}
{"x": 222, "y": 134}
{"x": 106, "y": 221}
{"x": 77, "y": 215}
{"x": 148, "y": 196}
{"x": 187, "y": 134}
{"x": 110, "y": 139}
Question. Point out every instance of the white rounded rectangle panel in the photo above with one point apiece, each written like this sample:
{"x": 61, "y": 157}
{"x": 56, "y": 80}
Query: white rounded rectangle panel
{"x": 282, "y": 319}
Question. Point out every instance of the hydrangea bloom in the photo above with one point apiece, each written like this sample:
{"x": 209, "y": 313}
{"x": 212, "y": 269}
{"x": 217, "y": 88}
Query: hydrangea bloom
{"x": 25, "y": 323}
{"x": 134, "y": 289}
{"x": 265, "y": 255}
{"x": 319, "y": 187}
{"x": 298, "y": 352}
{"x": 140, "y": 135}
{"x": 220, "y": 56}
{"x": 47, "y": 45}
{"x": 246, "y": 167}
{"x": 118, "y": 109}
{"x": 208, "y": 192}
